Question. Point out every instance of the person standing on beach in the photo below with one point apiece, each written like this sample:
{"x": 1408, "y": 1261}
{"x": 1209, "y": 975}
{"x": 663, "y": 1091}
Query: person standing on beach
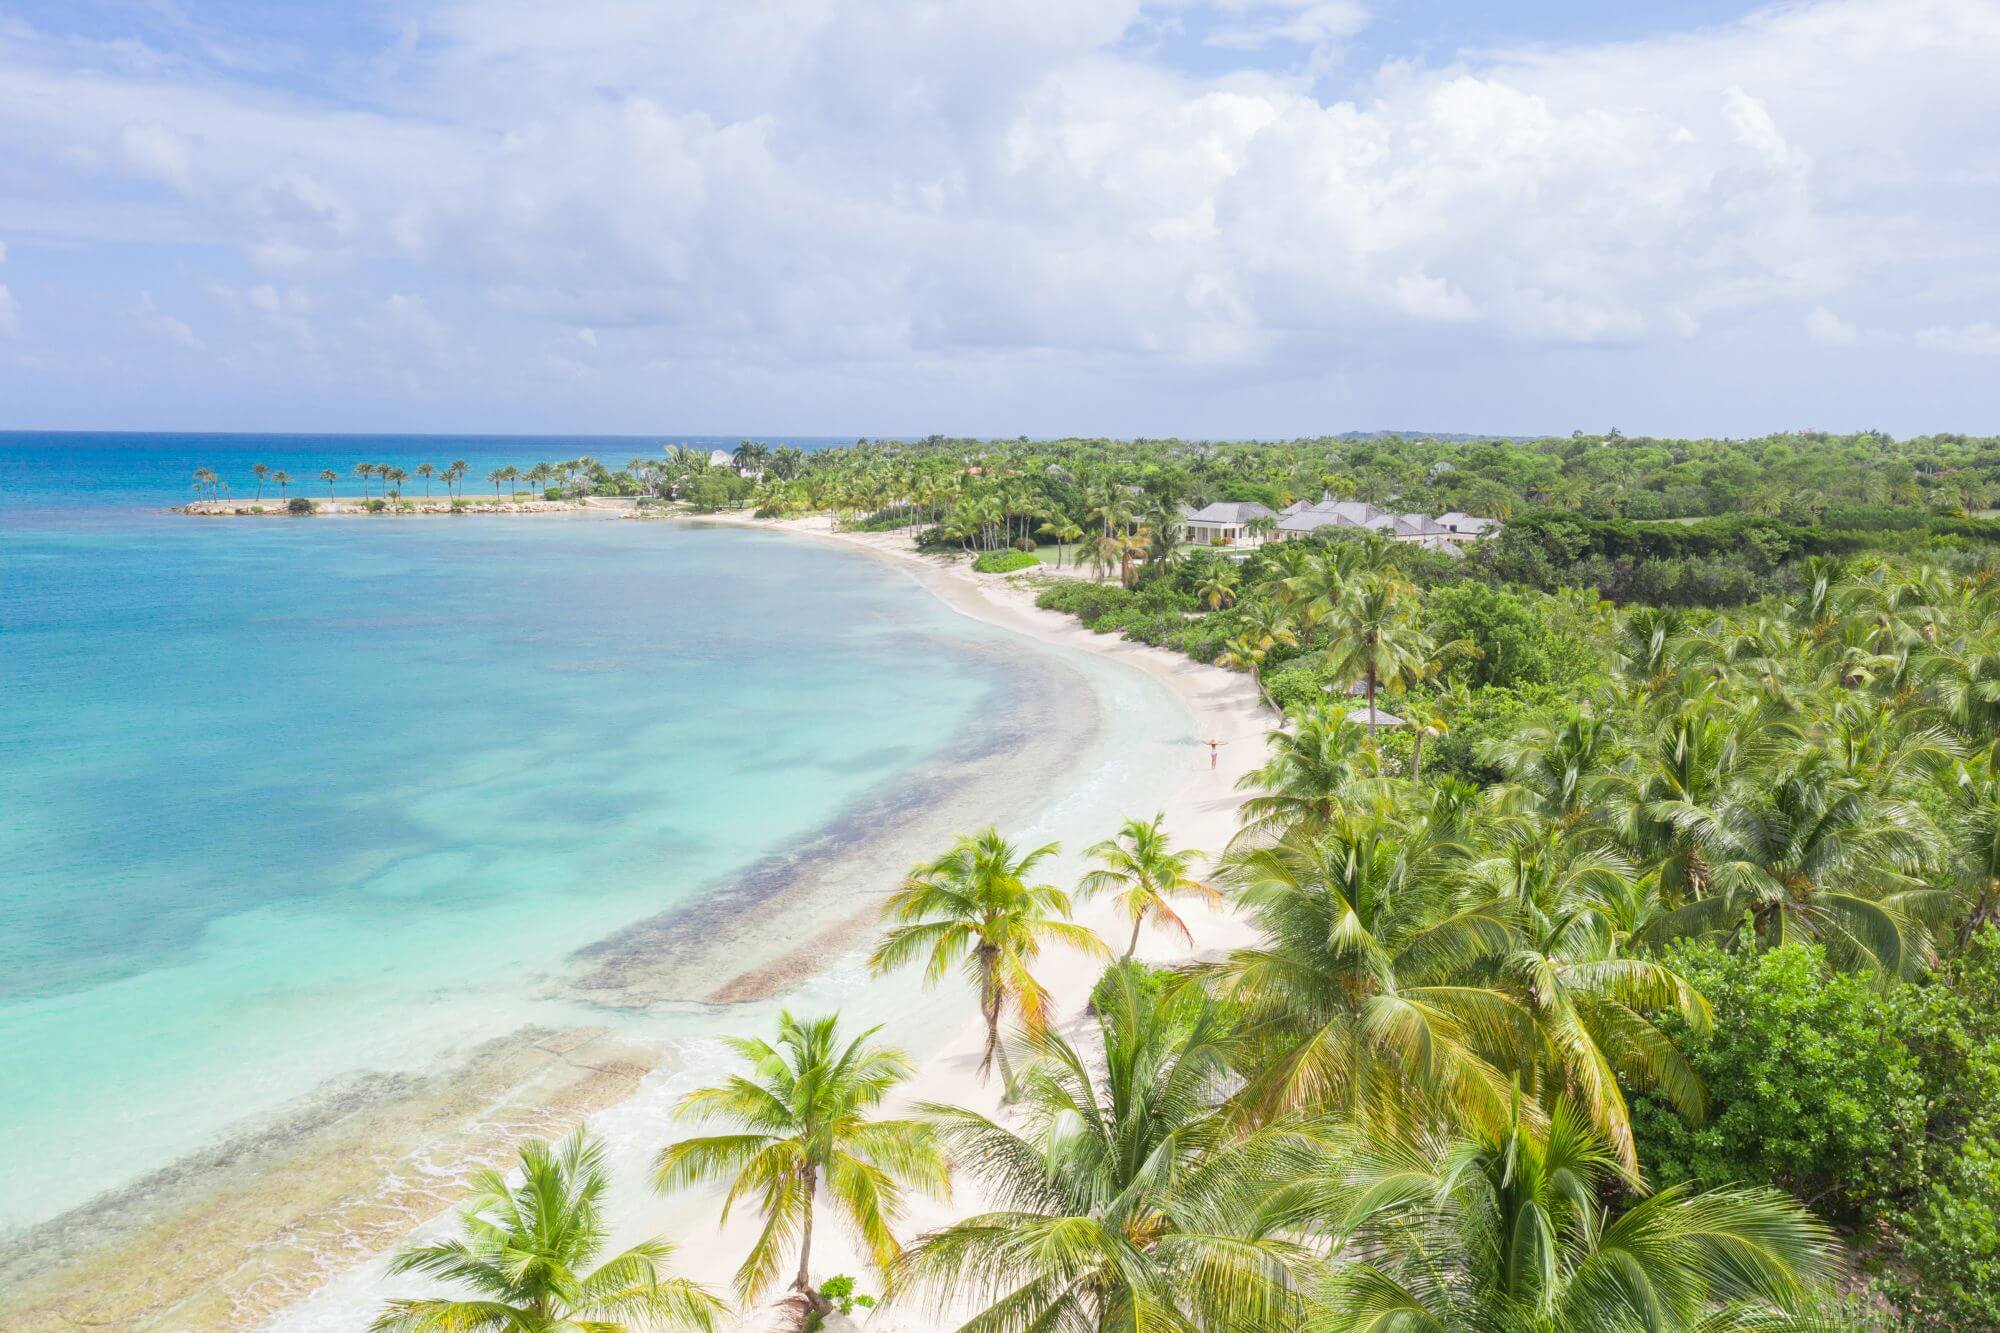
{"x": 1212, "y": 753}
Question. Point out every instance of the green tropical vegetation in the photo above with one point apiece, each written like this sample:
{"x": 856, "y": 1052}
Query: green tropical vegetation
{"x": 525, "y": 1254}
{"x": 1622, "y": 892}
{"x": 803, "y": 1130}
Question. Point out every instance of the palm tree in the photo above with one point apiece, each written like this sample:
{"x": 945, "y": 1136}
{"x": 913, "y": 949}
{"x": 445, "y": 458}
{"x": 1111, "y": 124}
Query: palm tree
{"x": 1126, "y": 1200}
{"x": 1372, "y": 985}
{"x": 1506, "y": 1232}
{"x": 1375, "y": 637}
{"x": 1976, "y": 840}
{"x": 496, "y": 476}
{"x": 1243, "y": 653}
{"x": 1589, "y": 1002}
{"x": 1142, "y": 869}
{"x": 1218, "y": 585}
{"x": 802, "y": 1119}
{"x": 1067, "y": 533}
{"x": 787, "y": 462}
{"x": 283, "y": 479}
{"x": 1810, "y": 852}
{"x": 329, "y": 476}
{"x": 1308, "y": 776}
{"x": 427, "y": 471}
{"x": 1562, "y": 770}
{"x": 524, "y": 1251}
{"x": 394, "y": 477}
{"x": 1425, "y": 719}
{"x": 364, "y": 471}
{"x": 973, "y": 908}
{"x": 261, "y": 472}
{"x": 1264, "y": 628}
{"x": 203, "y": 479}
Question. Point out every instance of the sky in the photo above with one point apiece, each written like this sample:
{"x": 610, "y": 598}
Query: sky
{"x": 1245, "y": 218}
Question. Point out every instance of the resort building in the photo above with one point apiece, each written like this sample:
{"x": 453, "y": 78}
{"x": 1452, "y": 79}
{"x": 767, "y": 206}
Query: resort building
{"x": 1301, "y": 520}
{"x": 1236, "y": 523}
{"x": 1226, "y": 523}
{"x": 1465, "y": 525}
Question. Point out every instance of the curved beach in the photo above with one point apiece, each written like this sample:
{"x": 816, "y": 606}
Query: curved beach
{"x": 285, "y": 1221}
{"x": 941, "y": 1029}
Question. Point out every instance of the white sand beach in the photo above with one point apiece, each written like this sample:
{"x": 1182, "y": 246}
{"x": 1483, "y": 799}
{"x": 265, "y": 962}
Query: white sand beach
{"x": 1202, "y": 813}
{"x": 945, "y": 1039}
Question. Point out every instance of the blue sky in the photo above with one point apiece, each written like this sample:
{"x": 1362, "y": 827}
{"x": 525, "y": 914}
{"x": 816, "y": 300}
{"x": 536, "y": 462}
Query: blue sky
{"x": 1244, "y": 218}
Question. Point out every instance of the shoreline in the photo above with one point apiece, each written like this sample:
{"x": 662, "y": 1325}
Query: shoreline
{"x": 253, "y": 1269}
{"x": 945, "y": 1036}
{"x": 1201, "y": 812}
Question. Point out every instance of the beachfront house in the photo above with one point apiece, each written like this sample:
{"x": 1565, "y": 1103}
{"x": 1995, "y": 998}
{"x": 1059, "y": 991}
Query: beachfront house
{"x": 1301, "y": 520}
{"x": 1226, "y": 523}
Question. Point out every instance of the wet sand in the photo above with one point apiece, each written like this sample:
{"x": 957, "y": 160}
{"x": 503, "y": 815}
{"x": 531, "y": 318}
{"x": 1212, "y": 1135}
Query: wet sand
{"x": 227, "y": 1237}
{"x": 233, "y": 1237}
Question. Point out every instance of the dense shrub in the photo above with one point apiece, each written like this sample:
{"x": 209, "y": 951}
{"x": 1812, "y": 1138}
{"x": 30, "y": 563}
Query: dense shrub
{"x": 1488, "y": 636}
{"x": 1005, "y": 562}
{"x": 1086, "y": 601}
{"x": 1810, "y": 1086}
{"x": 1299, "y": 683}
{"x": 1725, "y": 561}
{"x": 1949, "y": 1229}
{"x": 299, "y": 504}
{"x": 375, "y": 506}
{"x": 1488, "y": 715}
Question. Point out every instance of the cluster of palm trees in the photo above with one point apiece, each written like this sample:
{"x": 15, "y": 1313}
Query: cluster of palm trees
{"x": 1345, "y": 597}
{"x": 1403, "y": 1105}
{"x": 395, "y": 478}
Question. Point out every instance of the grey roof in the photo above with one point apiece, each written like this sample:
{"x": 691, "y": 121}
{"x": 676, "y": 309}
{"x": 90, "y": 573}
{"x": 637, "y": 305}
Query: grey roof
{"x": 1466, "y": 523}
{"x": 1360, "y": 718}
{"x": 1331, "y": 513}
{"x": 1419, "y": 525}
{"x": 1228, "y": 511}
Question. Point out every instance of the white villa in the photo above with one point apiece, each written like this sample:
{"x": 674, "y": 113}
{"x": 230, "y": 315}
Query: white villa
{"x": 1226, "y": 523}
{"x": 1232, "y": 523}
{"x": 1303, "y": 520}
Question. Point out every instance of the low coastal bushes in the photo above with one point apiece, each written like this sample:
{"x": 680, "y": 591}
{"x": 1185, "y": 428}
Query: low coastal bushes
{"x": 1158, "y": 614}
{"x": 1880, "y": 1108}
{"x": 1005, "y": 562}
{"x": 299, "y": 504}
{"x": 1088, "y": 602}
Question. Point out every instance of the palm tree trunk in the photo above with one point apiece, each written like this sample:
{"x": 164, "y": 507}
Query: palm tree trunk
{"x": 1257, "y": 679}
{"x": 1131, "y": 945}
{"x": 1417, "y": 757}
{"x": 989, "y": 1007}
{"x": 804, "y": 1280}
{"x": 1371, "y": 696}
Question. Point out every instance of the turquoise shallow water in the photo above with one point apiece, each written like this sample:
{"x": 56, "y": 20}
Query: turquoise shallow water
{"x": 286, "y": 799}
